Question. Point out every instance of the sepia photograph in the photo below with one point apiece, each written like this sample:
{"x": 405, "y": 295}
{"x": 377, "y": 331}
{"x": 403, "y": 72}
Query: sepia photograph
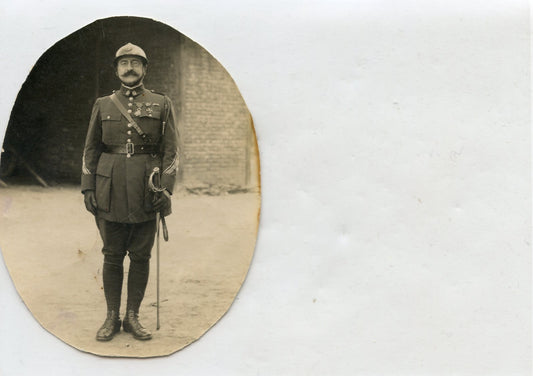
{"x": 130, "y": 189}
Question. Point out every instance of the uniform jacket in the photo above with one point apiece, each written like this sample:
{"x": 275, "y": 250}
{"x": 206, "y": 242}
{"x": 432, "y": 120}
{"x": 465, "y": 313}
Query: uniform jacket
{"x": 121, "y": 181}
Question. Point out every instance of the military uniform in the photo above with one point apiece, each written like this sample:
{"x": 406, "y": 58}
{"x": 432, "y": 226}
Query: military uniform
{"x": 118, "y": 158}
{"x": 120, "y": 179}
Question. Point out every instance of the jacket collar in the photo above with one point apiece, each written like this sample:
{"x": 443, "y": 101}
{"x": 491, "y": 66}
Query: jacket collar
{"x": 132, "y": 91}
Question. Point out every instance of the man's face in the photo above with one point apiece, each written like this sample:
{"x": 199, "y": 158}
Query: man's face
{"x": 130, "y": 70}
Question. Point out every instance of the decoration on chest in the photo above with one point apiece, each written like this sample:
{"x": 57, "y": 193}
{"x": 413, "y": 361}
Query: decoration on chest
{"x": 146, "y": 108}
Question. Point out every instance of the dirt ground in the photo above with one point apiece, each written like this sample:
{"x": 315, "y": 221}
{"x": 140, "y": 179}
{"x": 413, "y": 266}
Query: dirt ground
{"x": 52, "y": 249}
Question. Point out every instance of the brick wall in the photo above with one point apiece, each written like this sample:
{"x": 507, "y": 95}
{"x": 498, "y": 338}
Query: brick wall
{"x": 215, "y": 121}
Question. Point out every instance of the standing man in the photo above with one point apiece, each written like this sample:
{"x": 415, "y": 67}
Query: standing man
{"x": 130, "y": 133}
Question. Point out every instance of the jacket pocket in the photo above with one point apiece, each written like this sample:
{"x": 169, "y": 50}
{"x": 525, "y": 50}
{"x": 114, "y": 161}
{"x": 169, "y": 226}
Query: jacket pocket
{"x": 111, "y": 127}
{"x": 148, "y": 194}
{"x": 104, "y": 172}
{"x": 155, "y": 114}
{"x": 111, "y": 116}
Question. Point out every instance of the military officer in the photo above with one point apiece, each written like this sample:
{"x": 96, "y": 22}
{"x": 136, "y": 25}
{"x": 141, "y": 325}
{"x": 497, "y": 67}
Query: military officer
{"x": 130, "y": 133}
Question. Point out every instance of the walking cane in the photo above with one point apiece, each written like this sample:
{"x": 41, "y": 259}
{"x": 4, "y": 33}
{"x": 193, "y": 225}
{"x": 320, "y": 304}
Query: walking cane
{"x": 154, "y": 183}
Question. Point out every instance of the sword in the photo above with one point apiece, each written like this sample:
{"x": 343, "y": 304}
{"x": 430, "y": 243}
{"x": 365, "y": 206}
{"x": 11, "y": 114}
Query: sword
{"x": 154, "y": 183}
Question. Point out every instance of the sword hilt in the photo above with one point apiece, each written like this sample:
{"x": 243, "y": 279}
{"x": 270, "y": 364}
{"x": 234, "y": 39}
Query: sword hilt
{"x": 155, "y": 186}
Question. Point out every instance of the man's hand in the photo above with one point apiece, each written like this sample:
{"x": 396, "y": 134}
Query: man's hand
{"x": 90, "y": 201}
{"x": 162, "y": 202}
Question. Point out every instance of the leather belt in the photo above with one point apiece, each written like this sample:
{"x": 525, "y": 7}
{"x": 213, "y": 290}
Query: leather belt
{"x": 130, "y": 149}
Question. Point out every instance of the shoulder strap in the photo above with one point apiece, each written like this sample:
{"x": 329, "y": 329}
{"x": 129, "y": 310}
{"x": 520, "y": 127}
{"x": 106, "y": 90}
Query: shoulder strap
{"x": 123, "y": 111}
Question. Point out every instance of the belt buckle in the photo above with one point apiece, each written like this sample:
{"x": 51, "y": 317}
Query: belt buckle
{"x": 130, "y": 149}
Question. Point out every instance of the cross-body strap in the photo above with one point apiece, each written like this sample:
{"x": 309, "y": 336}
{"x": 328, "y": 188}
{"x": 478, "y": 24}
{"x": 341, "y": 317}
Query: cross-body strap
{"x": 123, "y": 111}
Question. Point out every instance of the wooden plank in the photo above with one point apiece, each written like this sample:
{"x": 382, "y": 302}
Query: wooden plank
{"x": 29, "y": 168}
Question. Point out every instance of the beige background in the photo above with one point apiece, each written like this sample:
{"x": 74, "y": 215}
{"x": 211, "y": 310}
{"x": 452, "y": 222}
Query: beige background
{"x": 396, "y": 230}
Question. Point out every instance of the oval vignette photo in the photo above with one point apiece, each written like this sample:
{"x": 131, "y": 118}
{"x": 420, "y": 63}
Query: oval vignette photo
{"x": 129, "y": 188}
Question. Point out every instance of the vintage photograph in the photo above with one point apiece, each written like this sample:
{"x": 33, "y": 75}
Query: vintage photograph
{"x": 130, "y": 189}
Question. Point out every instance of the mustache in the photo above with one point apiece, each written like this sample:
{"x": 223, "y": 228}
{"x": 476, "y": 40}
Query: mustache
{"x": 130, "y": 73}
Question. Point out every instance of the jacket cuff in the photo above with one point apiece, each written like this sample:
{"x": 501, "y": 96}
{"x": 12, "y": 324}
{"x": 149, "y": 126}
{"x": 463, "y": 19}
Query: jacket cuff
{"x": 88, "y": 182}
{"x": 167, "y": 182}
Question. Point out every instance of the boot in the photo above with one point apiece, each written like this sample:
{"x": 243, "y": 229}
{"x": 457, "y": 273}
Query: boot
{"x": 112, "y": 275}
{"x": 110, "y": 328}
{"x": 137, "y": 281}
{"x": 132, "y": 325}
